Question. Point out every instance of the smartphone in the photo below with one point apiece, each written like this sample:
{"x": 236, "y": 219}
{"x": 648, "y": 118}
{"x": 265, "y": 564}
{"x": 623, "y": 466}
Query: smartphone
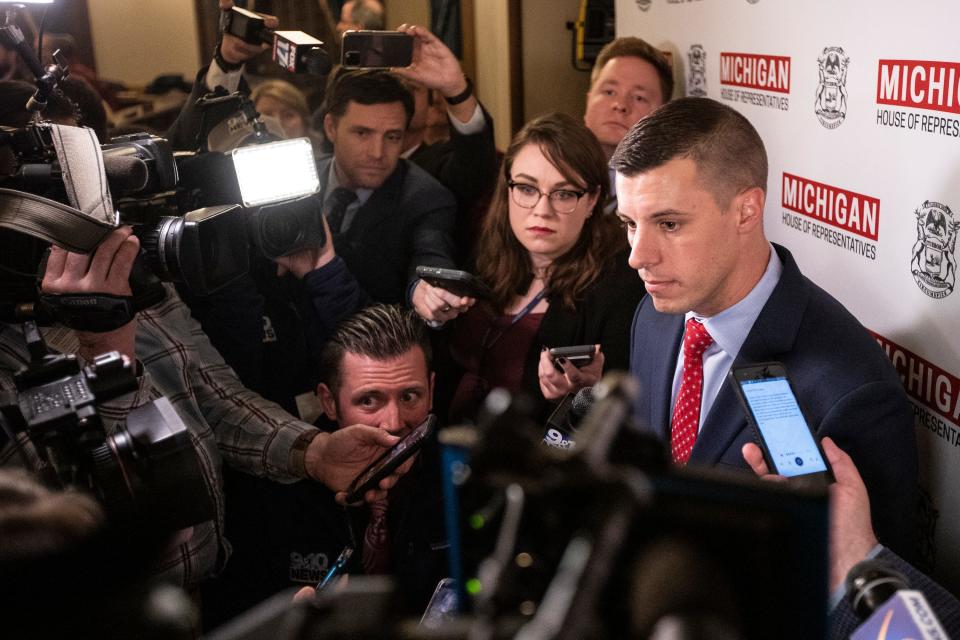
{"x": 788, "y": 442}
{"x": 386, "y": 464}
{"x": 443, "y": 605}
{"x": 376, "y": 49}
{"x": 579, "y": 355}
{"x": 457, "y": 282}
{"x": 336, "y": 569}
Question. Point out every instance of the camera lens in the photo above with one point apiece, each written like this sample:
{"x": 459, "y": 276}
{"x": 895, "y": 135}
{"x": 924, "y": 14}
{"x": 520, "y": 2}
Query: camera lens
{"x": 160, "y": 246}
{"x": 351, "y": 58}
{"x": 150, "y": 470}
{"x": 280, "y": 232}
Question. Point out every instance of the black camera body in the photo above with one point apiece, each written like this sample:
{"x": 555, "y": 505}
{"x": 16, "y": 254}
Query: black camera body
{"x": 146, "y": 470}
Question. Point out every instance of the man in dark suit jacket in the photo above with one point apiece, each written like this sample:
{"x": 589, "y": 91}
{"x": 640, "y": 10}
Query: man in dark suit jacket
{"x": 691, "y": 181}
{"x": 394, "y": 216}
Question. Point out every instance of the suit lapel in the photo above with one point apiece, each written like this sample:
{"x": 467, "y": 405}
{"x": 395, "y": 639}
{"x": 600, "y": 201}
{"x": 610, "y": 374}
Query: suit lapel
{"x": 772, "y": 335}
{"x": 381, "y": 204}
{"x": 657, "y": 345}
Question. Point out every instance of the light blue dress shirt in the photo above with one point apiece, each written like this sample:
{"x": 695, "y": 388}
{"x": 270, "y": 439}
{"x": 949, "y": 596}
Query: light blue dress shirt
{"x": 729, "y": 329}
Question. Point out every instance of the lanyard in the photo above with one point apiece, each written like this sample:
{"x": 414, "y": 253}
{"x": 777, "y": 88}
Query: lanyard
{"x": 514, "y": 320}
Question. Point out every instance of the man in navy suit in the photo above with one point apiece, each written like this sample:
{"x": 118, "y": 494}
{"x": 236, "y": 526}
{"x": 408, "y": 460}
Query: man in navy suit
{"x": 691, "y": 185}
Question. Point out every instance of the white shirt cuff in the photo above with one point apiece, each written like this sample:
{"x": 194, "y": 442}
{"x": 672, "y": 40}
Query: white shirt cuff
{"x": 217, "y": 77}
{"x": 475, "y": 124}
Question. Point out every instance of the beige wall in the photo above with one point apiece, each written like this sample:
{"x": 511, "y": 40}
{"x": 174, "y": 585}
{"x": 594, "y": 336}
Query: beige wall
{"x": 136, "y": 41}
{"x": 493, "y": 63}
{"x": 407, "y": 11}
{"x": 550, "y": 81}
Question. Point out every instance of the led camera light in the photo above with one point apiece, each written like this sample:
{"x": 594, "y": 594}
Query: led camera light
{"x": 275, "y": 171}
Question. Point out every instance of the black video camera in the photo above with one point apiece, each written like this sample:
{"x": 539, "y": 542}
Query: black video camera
{"x": 204, "y": 249}
{"x": 147, "y": 469}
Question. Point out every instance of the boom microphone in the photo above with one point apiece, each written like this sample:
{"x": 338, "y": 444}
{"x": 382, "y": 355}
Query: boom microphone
{"x": 126, "y": 175}
{"x": 895, "y": 611}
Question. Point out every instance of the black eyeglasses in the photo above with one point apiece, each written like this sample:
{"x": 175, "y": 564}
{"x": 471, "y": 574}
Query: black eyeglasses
{"x": 561, "y": 200}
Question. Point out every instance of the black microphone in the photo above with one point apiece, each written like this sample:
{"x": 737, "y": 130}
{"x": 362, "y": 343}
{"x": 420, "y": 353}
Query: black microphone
{"x": 882, "y": 596}
{"x": 299, "y": 52}
{"x": 563, "y": 422}
{"x": 126, "y": 174}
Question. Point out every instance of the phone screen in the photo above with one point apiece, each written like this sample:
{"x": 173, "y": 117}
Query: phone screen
{"x": 792, "y": 448}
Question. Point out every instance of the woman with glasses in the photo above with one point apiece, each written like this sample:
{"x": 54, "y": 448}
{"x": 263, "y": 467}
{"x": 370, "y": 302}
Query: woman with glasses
{"x": 557, "y": 266}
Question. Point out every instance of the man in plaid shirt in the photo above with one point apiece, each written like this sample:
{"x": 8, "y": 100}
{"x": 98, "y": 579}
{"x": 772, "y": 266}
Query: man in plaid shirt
{"x": 227, "y": 421}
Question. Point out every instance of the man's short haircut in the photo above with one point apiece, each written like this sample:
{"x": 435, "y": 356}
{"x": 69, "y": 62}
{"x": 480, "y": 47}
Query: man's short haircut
{"x": 379, "y": 332}
{"x": 726, "y": 149}
{"x": 630, "y": 47}
{"x": 368, "y": 14}
{"x": 367, "y": 87}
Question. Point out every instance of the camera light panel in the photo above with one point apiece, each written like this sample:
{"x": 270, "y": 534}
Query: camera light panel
{"x": 275, "y": 171}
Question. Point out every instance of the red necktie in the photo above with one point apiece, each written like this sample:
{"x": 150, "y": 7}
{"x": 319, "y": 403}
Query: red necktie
{"x": 376, "y": 545}
{"x": 686, "y": 410}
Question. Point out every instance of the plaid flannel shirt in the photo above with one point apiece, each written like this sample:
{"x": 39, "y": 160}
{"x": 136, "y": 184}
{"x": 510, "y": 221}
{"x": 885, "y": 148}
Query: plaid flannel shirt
{"x": 226, "y": 420}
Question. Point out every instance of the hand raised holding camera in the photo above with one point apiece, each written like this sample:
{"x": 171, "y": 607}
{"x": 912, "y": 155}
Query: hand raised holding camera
{"x": 303, "y": 261}
{"x": 107, "y": 271}
{"x": 435, "y": 67}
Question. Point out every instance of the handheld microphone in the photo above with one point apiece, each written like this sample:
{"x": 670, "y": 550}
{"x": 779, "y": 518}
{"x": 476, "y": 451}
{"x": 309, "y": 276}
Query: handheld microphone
{"x": 299, "y": 52}
{"x": 895, "y": 611}
{"x": 565, "y": 419}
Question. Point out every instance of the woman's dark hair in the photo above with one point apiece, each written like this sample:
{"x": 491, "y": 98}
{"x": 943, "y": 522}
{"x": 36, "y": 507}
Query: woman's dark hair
{"x": 504, "y": 263}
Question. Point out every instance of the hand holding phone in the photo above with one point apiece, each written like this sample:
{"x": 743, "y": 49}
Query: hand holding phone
{"x": 386, "y": 464}
{"x": 461, "y": 283}
{"x": 579, "y": 356}
{"x": 564, "y": 370}
{"x": 771, "y": 407}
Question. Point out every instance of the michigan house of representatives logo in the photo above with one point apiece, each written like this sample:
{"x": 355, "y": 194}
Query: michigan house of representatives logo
{"x": 831, "y": 106}
{"x": 697, "y": 75}
{"x": 643, "y": 5}
{"x": 933, "y": 263}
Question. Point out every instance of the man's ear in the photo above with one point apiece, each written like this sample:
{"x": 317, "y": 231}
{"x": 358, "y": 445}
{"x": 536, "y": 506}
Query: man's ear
{"x": 749, "y": 208}
{"x": 329, "y": 127}
{"x": 327, "y": 402}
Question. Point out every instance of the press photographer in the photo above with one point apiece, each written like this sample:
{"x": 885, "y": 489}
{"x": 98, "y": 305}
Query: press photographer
{"x": 173, "y": 359}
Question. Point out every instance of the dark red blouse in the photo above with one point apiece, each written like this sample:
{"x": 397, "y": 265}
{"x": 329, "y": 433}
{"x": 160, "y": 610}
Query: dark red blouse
{"x": 491, "y": 351}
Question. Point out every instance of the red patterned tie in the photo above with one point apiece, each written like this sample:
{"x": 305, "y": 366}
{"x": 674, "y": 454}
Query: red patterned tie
{"x": 686, "y": 411}
{"x": 376, "y": 545}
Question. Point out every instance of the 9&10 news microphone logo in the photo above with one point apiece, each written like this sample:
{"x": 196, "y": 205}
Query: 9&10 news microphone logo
{"x": 920, "y": 86}
{"x": 757, "y": 79}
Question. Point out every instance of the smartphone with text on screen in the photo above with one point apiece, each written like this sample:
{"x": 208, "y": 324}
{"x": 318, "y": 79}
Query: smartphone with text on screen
{"x": 789, "y": 444}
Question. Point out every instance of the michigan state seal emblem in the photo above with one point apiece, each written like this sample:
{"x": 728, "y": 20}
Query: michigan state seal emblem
{"x": 933, "y": 263}
{"x": 831, "y": 105}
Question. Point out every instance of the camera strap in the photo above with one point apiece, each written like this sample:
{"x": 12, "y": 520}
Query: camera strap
{"x": 49, "y": 220}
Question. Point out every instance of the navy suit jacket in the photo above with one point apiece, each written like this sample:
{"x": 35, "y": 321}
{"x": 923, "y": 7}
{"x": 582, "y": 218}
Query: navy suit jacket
{"x": 408, "y": 221}
{"x": 846, "y": 386}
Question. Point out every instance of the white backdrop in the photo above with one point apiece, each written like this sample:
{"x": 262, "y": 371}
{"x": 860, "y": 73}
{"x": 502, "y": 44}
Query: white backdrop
{"x": 857, "y": 103}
